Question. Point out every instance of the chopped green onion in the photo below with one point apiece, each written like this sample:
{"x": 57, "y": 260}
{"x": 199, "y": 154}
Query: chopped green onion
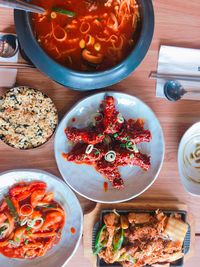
{"x": 12, "y": 208}
{"x": 2, "y": 229}
{"x": 127, "y": 138}
{"x": 10, "y": 204}
{"x": 120, "y": 118}
{"x": 110, "y": 156}
{"x": 68, "y": 13}
{"x": 14, "y": 243}
{"x": 17, "y": 239}
{"x": 131, "y": 259}
{"x": 89, "y": 149}
{"x": 49, "y": 206}
{"x": 115, "y": 135}
{"x": 131, "y": 156}
{"x": 100, "y": 135}
{"x": 127, "y": 257}
{"x": 96, "y": 152}
{"x": 26, "y": 242}
{"x": 129, "y": 143}
{"x": 123, "y": 145}
{"x": 132, "y": 147}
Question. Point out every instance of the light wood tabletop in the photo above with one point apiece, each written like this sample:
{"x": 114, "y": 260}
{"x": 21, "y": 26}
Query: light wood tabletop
{"x": 177, "y": 23}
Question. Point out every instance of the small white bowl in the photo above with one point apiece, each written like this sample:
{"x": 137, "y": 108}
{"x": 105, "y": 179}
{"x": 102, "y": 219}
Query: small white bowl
{"x": 189, "y": 160}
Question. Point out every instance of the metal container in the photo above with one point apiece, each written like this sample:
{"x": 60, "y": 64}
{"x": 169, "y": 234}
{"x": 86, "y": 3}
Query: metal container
{"x": 186, "y": 244}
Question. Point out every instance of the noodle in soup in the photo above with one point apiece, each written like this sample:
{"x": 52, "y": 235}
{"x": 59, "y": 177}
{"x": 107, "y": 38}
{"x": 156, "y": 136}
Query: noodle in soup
{"x": 88, "y": 35}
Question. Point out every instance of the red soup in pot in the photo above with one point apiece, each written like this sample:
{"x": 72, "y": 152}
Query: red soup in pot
{"x": 87, "y": 35}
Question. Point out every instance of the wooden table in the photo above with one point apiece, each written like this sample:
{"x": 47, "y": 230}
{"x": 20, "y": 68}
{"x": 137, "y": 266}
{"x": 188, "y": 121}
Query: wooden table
{"x": 177, "y": 23}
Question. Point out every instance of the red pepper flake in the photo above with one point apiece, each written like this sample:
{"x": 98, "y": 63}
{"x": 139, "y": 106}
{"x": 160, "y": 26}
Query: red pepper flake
{"x": 73, "y": 119}
{"x": 98, "y": 118}
{"x": 64, "y": 156}
{"x": 105, "y": 186}
{"x": 73, "y": 230}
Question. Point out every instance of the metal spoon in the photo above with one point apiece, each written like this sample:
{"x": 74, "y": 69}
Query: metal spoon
{"x": 174, "y": 91}
{"x": 21, "y": 5}
{"x": 8, "y": 45}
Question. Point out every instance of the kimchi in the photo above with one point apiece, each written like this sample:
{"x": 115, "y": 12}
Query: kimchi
{"x": 31, "y": 221}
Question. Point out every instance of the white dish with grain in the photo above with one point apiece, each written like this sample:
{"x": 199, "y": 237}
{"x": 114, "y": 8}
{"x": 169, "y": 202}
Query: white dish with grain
{"x": 28, "y": 118}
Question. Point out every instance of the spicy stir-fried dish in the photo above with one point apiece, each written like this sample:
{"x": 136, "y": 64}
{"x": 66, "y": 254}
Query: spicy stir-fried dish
{"x": 109, "y": 142}
{"x": 31, "y": 221}
{"x": 140, "y": 239}
{"x": 87, "y": 35}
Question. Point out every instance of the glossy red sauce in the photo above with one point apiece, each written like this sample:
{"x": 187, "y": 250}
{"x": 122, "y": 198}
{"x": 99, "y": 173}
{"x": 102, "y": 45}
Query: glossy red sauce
{"x": 9, "y": 252}
{"x": 32, "y": 203}
{"x": 26, "y": 209}
{"x": 97, "y": 37}
{"x": 105, "y": 186}
{"x": 109, "y": 144}
{"x": 73, "y": 119}
{"x": 73, "y": 230}
{"x": 64, "y": 155}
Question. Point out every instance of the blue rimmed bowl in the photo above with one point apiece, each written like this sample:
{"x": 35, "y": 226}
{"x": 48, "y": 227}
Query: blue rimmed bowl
{"x": 83, "y": 80}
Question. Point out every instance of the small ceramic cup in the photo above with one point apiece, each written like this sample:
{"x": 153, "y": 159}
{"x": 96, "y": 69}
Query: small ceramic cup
{"x": 189, "y": 160}
{"x": 8, "y": 45}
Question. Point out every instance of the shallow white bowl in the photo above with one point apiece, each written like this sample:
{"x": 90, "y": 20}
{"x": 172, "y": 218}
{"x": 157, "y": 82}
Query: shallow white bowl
{"x": 84, "y": 179}
{"x": 63, "y": 251}
{"x": 189, "y": 169}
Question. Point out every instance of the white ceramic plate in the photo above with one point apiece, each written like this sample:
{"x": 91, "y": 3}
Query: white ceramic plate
{"x": 69, "y": 242}
{"x": 189, "y": 159}
{"x": 84, "y": 179}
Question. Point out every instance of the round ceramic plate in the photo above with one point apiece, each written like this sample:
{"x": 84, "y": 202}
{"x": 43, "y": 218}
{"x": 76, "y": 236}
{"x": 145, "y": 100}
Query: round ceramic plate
{"x": 189, "y": 159}
{"x": 84, "y": 179}
{"x": 69, "y": 242}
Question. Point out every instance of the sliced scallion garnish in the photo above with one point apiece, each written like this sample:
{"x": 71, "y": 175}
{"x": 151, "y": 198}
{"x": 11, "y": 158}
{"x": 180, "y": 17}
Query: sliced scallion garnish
{"x": 62, "y": 11}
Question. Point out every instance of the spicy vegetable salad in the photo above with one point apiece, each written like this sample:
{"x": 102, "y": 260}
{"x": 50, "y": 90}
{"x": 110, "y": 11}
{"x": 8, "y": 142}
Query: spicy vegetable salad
{"x": 109, "y": 142}
{"x": 31, "y": 221}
